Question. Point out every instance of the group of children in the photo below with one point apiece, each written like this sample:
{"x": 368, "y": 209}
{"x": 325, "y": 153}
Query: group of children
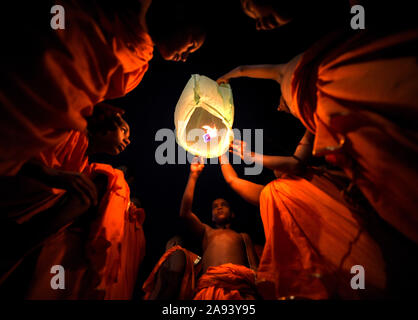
{"x": 356, "y": 95}
{"x": 354, "y": 91}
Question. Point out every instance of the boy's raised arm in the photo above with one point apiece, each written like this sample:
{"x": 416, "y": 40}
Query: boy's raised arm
{"x": 193, "y": 222}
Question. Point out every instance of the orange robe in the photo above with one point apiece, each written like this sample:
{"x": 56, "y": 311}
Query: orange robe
{"x": 359, "y": 96}
{"x": 226, "y": 282}
{"x": 188, "y": 285}
{"x": 23, "y": 197}
{"x": 51, "y": 93}
{"x": 312, "y": 241}
{"x": 105, "y": 264}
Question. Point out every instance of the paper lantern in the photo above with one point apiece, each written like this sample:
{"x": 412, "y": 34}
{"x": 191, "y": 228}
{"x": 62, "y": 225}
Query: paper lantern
{"x": 204, "y": 116}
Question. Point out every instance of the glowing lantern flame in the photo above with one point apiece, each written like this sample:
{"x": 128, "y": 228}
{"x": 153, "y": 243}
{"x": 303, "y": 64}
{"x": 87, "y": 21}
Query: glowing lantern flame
{"x": 204, "y": 117}
{"x": 210, "y": 133}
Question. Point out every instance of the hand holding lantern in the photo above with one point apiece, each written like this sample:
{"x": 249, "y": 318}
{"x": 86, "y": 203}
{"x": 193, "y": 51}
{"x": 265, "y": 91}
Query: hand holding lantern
{"x": 239, "y": 148}
{"x": 197, "y": 166}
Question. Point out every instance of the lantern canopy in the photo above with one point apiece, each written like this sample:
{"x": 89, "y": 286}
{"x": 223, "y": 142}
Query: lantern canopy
{"x": 204, "y": 116}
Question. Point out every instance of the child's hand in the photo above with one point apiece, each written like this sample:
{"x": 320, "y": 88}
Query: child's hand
{"x": 196, "y": 166}
{"x": 231, "y": 74}
{"x": 239, "y": 148}
{"x": 222, "y": 80}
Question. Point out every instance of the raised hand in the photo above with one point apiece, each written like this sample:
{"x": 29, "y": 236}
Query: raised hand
{"x": 197, "y": 166}
{"x": 234, "y": 73}
{"x": 239, "y": 148}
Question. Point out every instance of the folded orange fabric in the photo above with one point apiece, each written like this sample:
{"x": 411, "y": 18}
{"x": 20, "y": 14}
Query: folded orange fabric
{"x": 54, "y": 89}
{"x": 313, "y": 239}
{"x": 24, "y": 197}
{"x": 105, "y": 265}
{"x": 188, "y": 283}
{"x": 226, "y": 282}
{"x": 359, "y": 96}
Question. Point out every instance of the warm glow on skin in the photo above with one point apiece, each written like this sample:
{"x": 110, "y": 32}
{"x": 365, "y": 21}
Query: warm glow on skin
{"x": 221, "y": 212}
{"x": 266, "y": 18}
{"x": 183, "y": 51}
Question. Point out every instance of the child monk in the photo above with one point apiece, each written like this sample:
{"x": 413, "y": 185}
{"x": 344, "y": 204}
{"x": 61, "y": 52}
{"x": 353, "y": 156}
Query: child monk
{"x": 59, "y": 187}
{"x": 49, "y": 86}
{"x": 228, "y": 258}
{"x": 314, "y": 236}
{"x": 357, "y": 94}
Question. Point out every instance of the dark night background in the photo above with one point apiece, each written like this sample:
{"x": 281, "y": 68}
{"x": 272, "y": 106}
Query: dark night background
{"x": 232, "y": 40}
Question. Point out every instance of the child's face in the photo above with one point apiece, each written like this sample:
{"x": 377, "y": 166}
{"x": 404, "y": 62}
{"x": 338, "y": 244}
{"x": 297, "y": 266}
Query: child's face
{"x": 114, "y": 141}
{"x": 221, "y": 212}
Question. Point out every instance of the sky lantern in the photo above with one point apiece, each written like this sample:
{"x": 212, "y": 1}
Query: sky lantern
{"x": 204, "y": 116}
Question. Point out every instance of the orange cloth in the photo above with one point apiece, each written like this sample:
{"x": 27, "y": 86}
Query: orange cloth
{"x": 226, "y": 282}
{"x": 23, "y": 197}
{"x": 312, "y": 241}
{"x": 106, "y": 266}
{"x": 188, "y": 282}
{"x": 116, "y": 245}
{"x": 51, "y": 93}
{"x": 131, "y": 256}
{"x": 359, "y": 96}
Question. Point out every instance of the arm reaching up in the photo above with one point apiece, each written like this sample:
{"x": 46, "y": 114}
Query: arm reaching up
{"x": 193, "y": 222}
{"x": 249, "y": 191}
{"x": 262, "y": 71}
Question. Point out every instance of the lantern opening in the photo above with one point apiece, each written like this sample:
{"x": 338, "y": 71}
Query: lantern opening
{"x": 204, "y": 116}
{"x": 205, "y": 133}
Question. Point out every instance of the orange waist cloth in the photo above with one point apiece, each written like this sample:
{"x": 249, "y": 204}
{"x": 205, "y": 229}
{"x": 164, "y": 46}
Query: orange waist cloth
{"x": 359, "y": 96}
{"x": 104, "y": 266}
{"x": 51, "y": 91}
{"x": 226, "y": 282}
{"x": 188, "y": 282}
{"x": 312, "y": 241}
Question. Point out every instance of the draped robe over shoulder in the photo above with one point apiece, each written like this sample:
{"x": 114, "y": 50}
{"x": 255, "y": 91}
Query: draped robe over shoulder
{"x": 359, "y": 96}
{"x": 49, "y": 92}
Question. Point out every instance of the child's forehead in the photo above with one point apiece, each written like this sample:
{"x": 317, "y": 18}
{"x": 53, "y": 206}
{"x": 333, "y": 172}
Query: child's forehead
{"x": 220, "y": 200}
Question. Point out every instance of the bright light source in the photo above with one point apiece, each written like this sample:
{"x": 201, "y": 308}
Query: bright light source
{"x": 204, "y": 116}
